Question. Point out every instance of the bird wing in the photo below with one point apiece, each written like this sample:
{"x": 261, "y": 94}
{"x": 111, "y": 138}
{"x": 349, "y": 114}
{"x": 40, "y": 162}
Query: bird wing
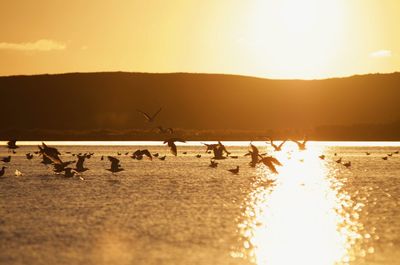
{"x": 275, "y": 161}
{"x": 155, "y": 114}
{"x": 173, "y": 148}
{"x": 147, "y": 153}
{"x": 144, "y": 114}
{"x": 114, "y": 161}
{"x": 254, "y": 148}
{"x": 137, "y": 152}
{"x": 266, "y": 161}
{"x": 81, "y": 160}
{"x": 53, "y": 157}
{"x": 280, "y": 146}
{"x": 296, "y": 142}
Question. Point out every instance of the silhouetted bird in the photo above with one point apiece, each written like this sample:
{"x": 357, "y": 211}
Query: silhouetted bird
{"x": 172, "y": 146}
{"x": 385, "y": 158}
{"x": 69, "y": 172}
{"x": 213, "y": 164}
{"x": 301, "y": 145}
{"x": 367, "y": 153}
{"x": 165, "y": 130}
{"x": 102, "y": 158}
{"x": 115, "y": 166}
{"x": 51, "y": 153}
{"x": 347, "y": 165}
{"x": 148, "y": 117}
{"x": 277, "y": 147}
{"x": 396, "y": 152}
{"x": 184, "y": 153}
{"x": 235, "y": 170}
{"x": 61, "y": 166}
{"x": 390, "y": 154}
{"x": 223, "y": 148}
{"x": 79, "y": 165}
{"x": 219, "y": 151}
{"x": 234, "y": 157}
{"x": 270, "y": 162}
{"x": 46, "y": 160}
{"x": 162, "y": 158}
{"x": 6, "y": 159}
{"x": 322, "y": 157}
{"x": 156, "y": 154}
{"x": 198, "y": 155}
{"x": 29, "y": 156}
{"x": 254, "y": 153}
{"x": 11, "y": 145}
{"x": 339, "y": 161}
{"x": 138, "y": 154}
{"x": 210, "y": 147}
{"x": 2, "y": 171}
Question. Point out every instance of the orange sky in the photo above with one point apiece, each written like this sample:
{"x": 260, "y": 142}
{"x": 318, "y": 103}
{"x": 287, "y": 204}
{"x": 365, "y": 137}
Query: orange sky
{"x": 267, "y": 38}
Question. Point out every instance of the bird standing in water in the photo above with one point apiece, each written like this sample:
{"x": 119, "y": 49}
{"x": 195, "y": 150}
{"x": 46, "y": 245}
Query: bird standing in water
{"x": 234, "y": 170}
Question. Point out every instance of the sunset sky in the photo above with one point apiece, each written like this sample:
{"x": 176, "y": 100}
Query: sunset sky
{"x": 267, "y": 38}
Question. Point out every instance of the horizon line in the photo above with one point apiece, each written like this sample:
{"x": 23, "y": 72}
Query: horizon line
{"x": 202, "y": 73}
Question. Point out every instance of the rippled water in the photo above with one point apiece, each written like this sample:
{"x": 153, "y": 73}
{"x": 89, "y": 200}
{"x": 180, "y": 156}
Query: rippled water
{"x": 180, "y": 211}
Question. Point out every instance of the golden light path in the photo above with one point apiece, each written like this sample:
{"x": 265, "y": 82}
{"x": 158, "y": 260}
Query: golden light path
{"x": 302, "y": 218}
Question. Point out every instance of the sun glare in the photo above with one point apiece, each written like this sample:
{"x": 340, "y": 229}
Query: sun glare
{"x": 299, "y": 219}
{"x": 303, "y": 36}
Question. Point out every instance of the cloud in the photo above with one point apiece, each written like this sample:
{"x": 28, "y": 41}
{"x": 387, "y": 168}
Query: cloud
{"x": 40, "y": 45}
{"x": 381, "y": 54}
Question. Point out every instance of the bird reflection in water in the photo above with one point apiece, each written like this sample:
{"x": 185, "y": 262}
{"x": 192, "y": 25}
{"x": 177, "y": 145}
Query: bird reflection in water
{"x": 299, "y": 216}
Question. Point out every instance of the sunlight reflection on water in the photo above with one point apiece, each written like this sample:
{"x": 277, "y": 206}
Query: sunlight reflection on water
{"x": 302, "y": 218}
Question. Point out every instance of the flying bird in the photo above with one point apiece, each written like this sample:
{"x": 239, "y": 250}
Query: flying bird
{"x": 277, "y": 148}
{"x": 148, "y": 117}
{"x": 301, "y": 145}
{"x": 138, "y": 154}
{"x": 29, "y": 156}
{"x": 79, "y": 165}
{"x": 172, "y": 146}
{"x": 11, "y": 145}
{"x": 115, "y": 165}
{"x": 270, "y": 162}
{"x": 255, "y": 154}
{"x": 69, "y": 172}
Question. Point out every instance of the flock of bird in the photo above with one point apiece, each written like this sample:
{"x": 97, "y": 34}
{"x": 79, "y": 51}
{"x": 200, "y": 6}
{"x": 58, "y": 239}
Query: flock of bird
{"x": 51, "y": 155}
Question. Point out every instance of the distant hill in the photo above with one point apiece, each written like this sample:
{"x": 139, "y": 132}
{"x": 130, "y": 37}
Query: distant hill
{"x": 96, "y": 105}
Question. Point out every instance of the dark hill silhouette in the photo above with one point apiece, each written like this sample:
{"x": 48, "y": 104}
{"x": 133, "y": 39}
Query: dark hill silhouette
{"x": 109, "y": 101}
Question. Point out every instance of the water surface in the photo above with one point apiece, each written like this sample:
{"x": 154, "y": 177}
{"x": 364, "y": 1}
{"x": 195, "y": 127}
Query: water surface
{"x": 180, "y": 211}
